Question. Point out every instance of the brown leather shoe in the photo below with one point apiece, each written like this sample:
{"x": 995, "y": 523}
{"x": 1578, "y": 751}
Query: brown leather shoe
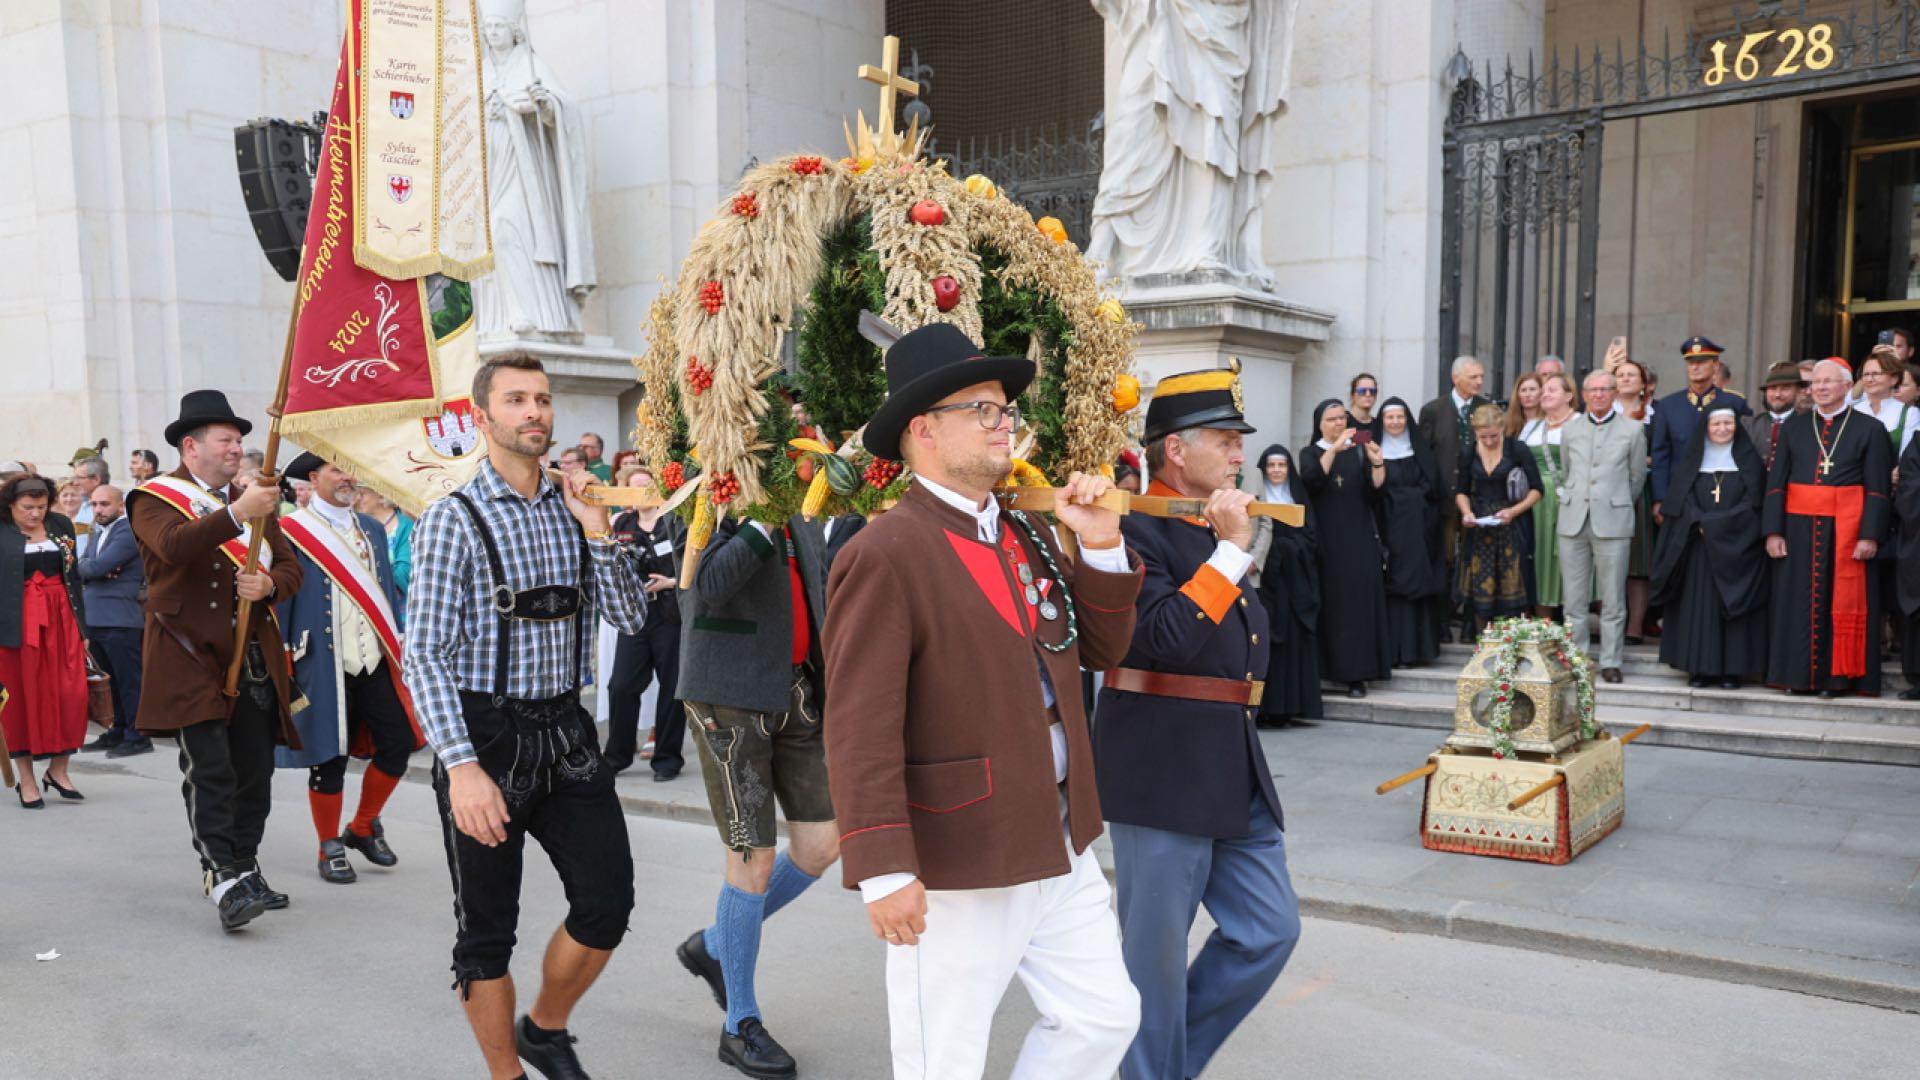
{"x": 1610, "y": 674}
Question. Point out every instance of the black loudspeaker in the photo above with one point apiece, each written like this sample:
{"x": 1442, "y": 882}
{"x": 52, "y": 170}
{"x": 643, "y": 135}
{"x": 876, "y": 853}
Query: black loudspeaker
{"x": 276, "y": 180}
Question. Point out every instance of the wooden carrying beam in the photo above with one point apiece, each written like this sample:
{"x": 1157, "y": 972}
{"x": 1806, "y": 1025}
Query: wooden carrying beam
{"x": 1407, "y": 778}
{"x": 1552, "y": 782}
{"x": 1029, "y": 499}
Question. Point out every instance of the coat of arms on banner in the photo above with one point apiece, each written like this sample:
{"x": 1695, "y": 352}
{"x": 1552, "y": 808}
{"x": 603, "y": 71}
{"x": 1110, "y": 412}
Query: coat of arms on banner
{"x": 400, "y": 103}
{"x": 453, "y": 434}
{"x": 400, "y": 187}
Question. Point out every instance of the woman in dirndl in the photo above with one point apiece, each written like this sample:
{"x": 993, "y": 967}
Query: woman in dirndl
{"x": 42, "y": 654}
{"x": 1499, "y": 485}
{"x": 1557, "y": 397}
{"x": 1635, "y": 402}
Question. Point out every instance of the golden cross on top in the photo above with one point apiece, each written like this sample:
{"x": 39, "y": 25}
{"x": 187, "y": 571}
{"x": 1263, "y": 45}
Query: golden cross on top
{"x": 888, "y": 76}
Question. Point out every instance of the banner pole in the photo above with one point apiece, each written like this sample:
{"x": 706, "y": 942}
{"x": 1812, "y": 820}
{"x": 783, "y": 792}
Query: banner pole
{"x": 258, "y": 525}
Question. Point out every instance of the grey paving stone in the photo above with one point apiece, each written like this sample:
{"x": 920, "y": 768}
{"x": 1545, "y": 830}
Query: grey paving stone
{"x": 1813, "y": 876}
{"x": 1507, "y": 881}
{"x": 1862, "y": 794}
{"x": 1770, "y": 823}
{"x": 1368, "y": 862}
{"x": 1710, "y": 909}
{"x": 1726, "y": 778}
{"x": 1885, "y": 836}
{"x": 1866, "y": 931}
{"x": 1664, "y": 854}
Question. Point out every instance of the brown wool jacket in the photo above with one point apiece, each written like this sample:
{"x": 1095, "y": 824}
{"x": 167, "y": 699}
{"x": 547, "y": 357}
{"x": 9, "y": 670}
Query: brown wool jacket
{"x": 190, "y": 608}
{"x": 938, "y": 750}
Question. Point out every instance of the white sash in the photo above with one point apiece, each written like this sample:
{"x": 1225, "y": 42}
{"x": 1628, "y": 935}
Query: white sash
{"x": 317, "y": 540}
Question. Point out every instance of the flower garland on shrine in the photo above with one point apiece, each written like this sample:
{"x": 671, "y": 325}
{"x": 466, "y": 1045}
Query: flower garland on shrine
{"x": 801, "y": 248}
{"x": 1507, "y": 635}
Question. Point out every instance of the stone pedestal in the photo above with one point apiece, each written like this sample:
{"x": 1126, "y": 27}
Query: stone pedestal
{"x": 1203, "y": 320}
{"x": 587, "y": 380}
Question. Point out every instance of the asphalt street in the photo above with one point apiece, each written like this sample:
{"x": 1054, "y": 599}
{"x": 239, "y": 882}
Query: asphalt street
{"x": 353, "y": 980}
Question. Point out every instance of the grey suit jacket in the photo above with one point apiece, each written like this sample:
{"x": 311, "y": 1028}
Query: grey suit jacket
{"x": 736, "y": 632}
{"x": 114, "y": 577}
{"x": 1603, "y": 469}
{"x": 1760, "y": 429}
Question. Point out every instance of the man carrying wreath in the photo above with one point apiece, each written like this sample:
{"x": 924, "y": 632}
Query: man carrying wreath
{"x": 957, "y": 743}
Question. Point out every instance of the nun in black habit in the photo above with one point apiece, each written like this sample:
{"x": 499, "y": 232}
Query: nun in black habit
{"x": 1343, "y": 483}
{"x": 1408, "y": 518}
{"x": 1710, "y": 566}
{"x": 1290, "y": 587}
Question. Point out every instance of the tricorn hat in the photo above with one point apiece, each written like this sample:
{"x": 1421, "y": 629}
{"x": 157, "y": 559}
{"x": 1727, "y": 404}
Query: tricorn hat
{"x": 302, "y": 467}
{"x": 1209, "y": 398}
{"x": 1784, "y": 373}
{"x": 198, "y": 408}
{"x": 928, "y": 364}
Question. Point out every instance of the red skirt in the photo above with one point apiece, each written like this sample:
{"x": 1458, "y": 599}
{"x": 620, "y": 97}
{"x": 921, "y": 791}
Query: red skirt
{"x": 46, "y": 677}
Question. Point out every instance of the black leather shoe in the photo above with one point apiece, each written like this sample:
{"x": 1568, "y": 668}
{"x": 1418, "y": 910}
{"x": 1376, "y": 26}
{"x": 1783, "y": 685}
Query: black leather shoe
{"x": 1610, "y": 674}
{"x": 1911, "y": 693}
{"x": 1356, "y": 690}
{"x": 67, "y": 793}
{"x": 105, "y": 742}
{"x": 1828, "y": 695}
{"x": 1729, "y": 684}
{"x": 754, "y": 1052}
{"x": 1698, "y": 682}
{"x": 373, "y": 847}
{"x": 663, "y": 777}
{"x": 552, "y": 1054}
{"x": 695, "y": 958}
{"x": 334, "y": 867}
{"x": 37, "y": 804}
{"x": 271, "y": 898}
{"x": 131, "y": 747}
{"x": 241, "y": 904}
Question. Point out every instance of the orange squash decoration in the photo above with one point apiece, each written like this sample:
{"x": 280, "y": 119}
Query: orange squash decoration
{"x": 1126, "y": 394}
{"x": 1053, "y": 229}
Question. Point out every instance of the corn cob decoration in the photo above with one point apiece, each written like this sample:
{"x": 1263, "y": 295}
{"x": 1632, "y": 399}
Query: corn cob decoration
{"x": 698, "y": 536}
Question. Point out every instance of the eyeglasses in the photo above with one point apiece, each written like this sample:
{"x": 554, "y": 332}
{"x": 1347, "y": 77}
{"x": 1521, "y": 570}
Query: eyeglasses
{"x": 989, "y": 413}
{"x": 1366, "y": 391}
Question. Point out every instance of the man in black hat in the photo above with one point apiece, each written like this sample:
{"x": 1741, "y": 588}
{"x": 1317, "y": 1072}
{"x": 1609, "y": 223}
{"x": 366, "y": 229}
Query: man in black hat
{"x": 192, "y": 529}
{"x": 1677, "y": 415}
{"x": 959, "y": 753}
{"x": 1194, "y": 818}
{"x": 343, "y": 633}
{"x": 1782, "y": 389}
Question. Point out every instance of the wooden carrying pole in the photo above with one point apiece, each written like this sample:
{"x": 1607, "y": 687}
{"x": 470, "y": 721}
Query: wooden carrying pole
{"x": 1029, "y": 499}
{"x": 1561, "y": 778}
{"x": 1407, "y": 778}
{"x": 258, "y": 526}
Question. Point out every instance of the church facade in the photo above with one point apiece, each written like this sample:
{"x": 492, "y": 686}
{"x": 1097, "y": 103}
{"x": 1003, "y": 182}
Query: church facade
{"x": 1423, "y": 200}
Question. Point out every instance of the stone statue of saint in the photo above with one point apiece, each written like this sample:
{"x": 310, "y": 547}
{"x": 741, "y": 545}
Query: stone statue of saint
{"x": 1189, "y": 135}
{"x": 537, "y": 175}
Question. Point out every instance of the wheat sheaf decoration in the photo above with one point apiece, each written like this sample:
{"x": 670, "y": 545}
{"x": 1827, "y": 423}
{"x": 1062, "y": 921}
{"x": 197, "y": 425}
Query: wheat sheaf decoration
{"x": 801, "y": 248}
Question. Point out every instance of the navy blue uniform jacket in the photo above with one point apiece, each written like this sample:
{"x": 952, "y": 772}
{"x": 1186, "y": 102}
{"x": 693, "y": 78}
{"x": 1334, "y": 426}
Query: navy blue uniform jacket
{"x": 1173, "y": 764}
{"x": 1674, "y": 419}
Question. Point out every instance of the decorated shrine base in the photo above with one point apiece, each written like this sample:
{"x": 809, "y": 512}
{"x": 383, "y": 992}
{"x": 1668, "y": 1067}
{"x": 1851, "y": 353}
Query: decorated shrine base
{"x": 1467, "y": 796}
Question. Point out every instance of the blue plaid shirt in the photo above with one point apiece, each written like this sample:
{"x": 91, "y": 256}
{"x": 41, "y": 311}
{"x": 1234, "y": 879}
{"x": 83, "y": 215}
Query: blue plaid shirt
{"x": 452, "y": 630}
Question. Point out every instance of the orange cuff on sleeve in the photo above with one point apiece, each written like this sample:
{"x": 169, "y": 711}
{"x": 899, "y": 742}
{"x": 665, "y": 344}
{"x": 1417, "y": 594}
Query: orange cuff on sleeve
{"x": 1212, "y": 592}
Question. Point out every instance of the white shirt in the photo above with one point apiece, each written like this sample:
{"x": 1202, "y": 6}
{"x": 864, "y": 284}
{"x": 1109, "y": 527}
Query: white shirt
{"x": 246, "y": 535}
{"x": 1458, "y": 401}
{"x": 986, "y": 523}
{"x": 1890, "y": 413}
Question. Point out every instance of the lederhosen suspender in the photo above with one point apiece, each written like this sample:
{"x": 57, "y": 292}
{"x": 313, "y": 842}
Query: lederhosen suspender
{"x": 546, "y": 603}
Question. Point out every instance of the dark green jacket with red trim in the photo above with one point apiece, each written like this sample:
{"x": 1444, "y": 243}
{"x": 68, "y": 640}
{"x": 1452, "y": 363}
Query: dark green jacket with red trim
{"x": 938, "y": 745}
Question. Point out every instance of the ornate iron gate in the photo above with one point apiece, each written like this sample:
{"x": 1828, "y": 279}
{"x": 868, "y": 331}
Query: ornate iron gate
{"x": 1520, "y": 170}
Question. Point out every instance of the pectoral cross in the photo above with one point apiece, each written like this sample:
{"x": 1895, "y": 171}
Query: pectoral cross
{"x": 1339, "y": 481}
{"x": 888, "y": 76}
{"x": 1716, "y": 488}
{"x": 1826, "y": 466}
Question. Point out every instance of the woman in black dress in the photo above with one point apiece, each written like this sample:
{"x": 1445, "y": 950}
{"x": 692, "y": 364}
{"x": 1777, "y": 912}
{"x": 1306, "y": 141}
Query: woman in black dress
{"x": 1709, "y": 564}
{"x": 1290, "y": 588}
{"x": 1409, "y": 523}
{"x": 1343, "y": 483}
{"x": 1499, "y": 483}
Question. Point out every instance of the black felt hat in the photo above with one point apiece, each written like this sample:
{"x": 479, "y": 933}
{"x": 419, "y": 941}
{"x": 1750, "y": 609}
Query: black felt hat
{"x": 929, "y": 364}
{"x": 198, "y": 408}
{"x": 1209, "y": 398}
{"x": 302, "y": 467}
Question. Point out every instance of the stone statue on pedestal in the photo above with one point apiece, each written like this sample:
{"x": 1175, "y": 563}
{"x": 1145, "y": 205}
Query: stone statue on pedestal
{"x": 537, "y": 174}
{"x": 1189, "y": 135}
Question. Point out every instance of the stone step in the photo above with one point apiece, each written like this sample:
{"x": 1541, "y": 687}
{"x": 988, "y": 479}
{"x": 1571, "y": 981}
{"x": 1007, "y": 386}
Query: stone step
{"x": 1670, "y": 692}
{"x": 1817, "y": 732}
{"x": 1645, "y": 660}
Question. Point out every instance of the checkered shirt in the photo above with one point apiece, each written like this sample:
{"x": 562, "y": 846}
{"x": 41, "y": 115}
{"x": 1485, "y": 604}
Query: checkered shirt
{"x": 452, "y": 630}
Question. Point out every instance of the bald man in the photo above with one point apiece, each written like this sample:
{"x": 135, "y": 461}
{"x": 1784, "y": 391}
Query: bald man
{"x": 112, "y": 579}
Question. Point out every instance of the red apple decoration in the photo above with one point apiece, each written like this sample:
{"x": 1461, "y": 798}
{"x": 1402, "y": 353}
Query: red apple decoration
{"x": 929, "y": 213}
{"x": 946, "y": 292}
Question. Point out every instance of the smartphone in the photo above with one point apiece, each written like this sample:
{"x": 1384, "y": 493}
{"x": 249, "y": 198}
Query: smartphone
{"x": 1619, "y": 344}
{"x": 1885, "y": 338}
{"x": 1362, "y": 436}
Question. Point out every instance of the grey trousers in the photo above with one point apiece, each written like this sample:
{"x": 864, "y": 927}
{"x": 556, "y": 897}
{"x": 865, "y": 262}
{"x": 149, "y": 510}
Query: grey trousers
{"x": 1587, "y": 563}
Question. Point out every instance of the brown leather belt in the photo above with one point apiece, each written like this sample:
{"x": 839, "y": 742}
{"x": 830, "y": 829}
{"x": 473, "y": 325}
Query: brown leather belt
{"x": 1189, "y": 687}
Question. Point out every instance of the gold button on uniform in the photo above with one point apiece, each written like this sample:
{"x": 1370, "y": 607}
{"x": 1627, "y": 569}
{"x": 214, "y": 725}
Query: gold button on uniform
{"x": 1256, "y": 639}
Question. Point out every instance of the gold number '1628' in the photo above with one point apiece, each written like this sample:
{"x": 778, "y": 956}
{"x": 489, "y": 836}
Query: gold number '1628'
{"x": 1810, "y": 50}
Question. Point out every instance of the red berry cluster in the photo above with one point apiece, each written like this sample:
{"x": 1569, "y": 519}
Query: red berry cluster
{"x": 699, "y": 376}
{"x": 722, "y": 488}
{"x": 673, "y": 475}
{"x": 880, "y": 473}
{"x": 712, "y": 296}
{"x": 808, "y": 166}
{"x": 745, "y": 205}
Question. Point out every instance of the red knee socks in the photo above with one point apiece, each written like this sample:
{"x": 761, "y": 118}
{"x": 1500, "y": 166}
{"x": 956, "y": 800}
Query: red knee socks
{"x": 326, "y": 813}
{"x": 375, "y": 788}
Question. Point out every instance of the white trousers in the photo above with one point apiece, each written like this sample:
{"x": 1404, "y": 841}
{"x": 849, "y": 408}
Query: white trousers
{"x": 1059, "y": 935}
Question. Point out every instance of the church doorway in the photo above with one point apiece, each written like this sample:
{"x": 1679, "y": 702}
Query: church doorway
{"x": 1862, "y": 257}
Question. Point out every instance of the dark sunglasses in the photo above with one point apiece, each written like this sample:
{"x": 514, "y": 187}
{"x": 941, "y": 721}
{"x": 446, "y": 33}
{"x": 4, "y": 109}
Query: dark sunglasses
{"x": 1366, "y": 391}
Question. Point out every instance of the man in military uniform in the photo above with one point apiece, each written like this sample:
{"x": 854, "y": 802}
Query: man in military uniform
{"x": 1677, "y": 415}
{"x": 1194, "y": 818}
